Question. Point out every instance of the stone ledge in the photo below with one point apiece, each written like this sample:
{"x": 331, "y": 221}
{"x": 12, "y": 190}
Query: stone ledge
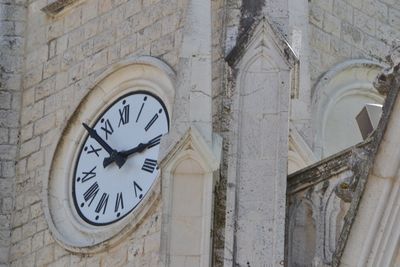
{"x": 57, "y": 7}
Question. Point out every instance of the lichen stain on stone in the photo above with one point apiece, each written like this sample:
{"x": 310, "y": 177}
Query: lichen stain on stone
{"x": 250, "y": 10}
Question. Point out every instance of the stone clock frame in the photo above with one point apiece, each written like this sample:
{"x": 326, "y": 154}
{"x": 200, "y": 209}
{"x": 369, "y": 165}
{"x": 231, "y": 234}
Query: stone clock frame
{"x": 140, "y": 73}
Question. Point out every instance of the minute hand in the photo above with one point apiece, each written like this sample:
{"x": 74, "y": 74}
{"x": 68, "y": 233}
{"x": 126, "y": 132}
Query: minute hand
{"x": 114, "y": 155}
{"x": 92, "y": 133}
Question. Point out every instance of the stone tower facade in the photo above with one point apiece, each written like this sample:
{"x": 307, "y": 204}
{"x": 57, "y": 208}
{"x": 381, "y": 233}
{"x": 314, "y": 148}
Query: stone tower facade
{"x": 255, "y": 91}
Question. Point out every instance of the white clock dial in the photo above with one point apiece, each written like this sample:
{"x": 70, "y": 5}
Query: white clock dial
{"x": 117, "y": 162}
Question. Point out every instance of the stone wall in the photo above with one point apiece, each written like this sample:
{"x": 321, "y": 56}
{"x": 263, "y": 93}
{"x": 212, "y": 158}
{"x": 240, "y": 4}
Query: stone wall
{"x": 344, "y": 29}
{"x": 64, "y": 55}
{"x": 12, "y": 28}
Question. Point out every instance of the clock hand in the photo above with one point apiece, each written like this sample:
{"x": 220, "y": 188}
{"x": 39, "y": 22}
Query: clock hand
{"x": 114, "y": 155}
{"x": 139, "y": 148}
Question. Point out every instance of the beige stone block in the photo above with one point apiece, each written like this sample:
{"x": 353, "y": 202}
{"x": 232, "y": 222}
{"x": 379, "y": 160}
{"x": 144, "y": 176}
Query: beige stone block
{"x": 61, "y": 262}
{"x": 364, "y": 22}
{"x": 61, "y": 80}
{"x": 36, "y": 210}
{"x": 128, "y": 45}
{"x": 96, "y": 62}
{"x": 132, "y": 7}
{"x": 104, "y": 6}
{"x": 60, "y": 251}
{"x": 48, "y": 239}
{"x": 375, "y": 9}
{"x": 26, "y": 132}
{"x": 331, "y": 24}
{"x": 29, "y": 147}
{"x": 28, "y": 229}
{"x": 45, "y": 255}
{"x": 8, "y": 152}
{"x": 169, "y": 24}
{"x": 33, "y": 76}
{"x": 75, "y": 73}
{"x": 152, "y": 243}
{"x": 20, "y": 249}
{"x": 35, "y": 160}
{"x": 55, "y": 29}
{"x": 118, "y": 257}
{"x": 102, "y": 41}
{"x": 91, "y": 28}
{"x": 37, "y": 241}
{"x": 16, "y": 235}
{"x": 45, "y": 88}
{"x": 162, "y": 45}
{"x": 89, "y": 10}
{"x": 44, "y": 124}
{"x": 76, "y": 37}
{"x": 114, "y": 53}
{"x": 72, "y": 20}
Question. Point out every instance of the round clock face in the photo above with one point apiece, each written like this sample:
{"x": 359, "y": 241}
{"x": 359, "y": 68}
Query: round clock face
{"x": 117, "y": 161}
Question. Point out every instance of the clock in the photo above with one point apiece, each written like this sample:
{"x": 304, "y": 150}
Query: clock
{"x": 116, "y": 162}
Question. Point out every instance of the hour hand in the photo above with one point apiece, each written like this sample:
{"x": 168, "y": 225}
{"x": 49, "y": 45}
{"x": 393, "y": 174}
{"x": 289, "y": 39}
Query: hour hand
{"x": 114, "y": 155}
{"x": 142, "y": 146}
{"x": 139, "y": 148}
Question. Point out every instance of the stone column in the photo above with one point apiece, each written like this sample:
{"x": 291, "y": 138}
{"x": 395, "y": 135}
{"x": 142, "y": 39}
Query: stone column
{"x": 12, "y": 28}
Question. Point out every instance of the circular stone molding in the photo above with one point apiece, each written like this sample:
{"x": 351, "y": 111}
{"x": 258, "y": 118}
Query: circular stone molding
{"x": 70, "y": 231}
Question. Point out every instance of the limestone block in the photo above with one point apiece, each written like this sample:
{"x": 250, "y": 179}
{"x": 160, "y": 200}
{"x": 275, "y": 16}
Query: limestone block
{"x": 55, "y": 29}
{"x": 61, "y": 262}
{"x": 117, "y": 257}
{"x": 20, "y": 249}
{"x": 8, "y": 169}
{"x": 343, "y": 10}
{"x": 132, "y": 7}
{"x": 332, "y": 24}
{"x": 36, "y": 210}
{"x": 33, "y": 76}
{"x": 375, "y": 9}
{"x": 394, "y": 17}
{"x": 3, "y": 135}
{"x": 162, "y": 45}
{"x": 89, "y": 10}
{"x": 72, "y": 19}
{"x": 9, "y": 118}
{"x": 364, "y": 22}
{"x": 320, "y": 39}
{"x": 102, "y": 41}
{"x": 95, "y": 62}
{"x": 352, "y": 34}
{"x": 7, "y": 152}
{"x": 29, "y": 147}
{"x": 35, "y": 160}
{"x": 45, "y": 255}
{"x": 28, "y": 229}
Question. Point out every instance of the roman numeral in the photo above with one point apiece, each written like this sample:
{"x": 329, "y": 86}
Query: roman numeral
{"x": 123, "y": 115}
{"x": 140, "y": 112}
{"x": 102, "y": 203}
{"x": 119, "y": 202}
{"x": 149, "y": 165}
{"x": 107, "y": 128}
{"x": 89, "y": 175}
{"x": 155, "y": 141}
{"x": 153, "y": 120}
{"x": 91, "y": 193}
{"x": 136, "y": 186}
{"x": 94, "y": 150}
